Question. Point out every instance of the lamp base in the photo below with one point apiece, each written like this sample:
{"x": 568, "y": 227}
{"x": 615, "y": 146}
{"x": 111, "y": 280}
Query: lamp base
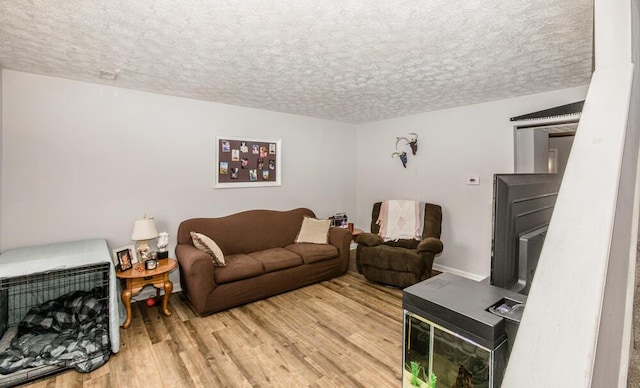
{"x": 163, "y": 255}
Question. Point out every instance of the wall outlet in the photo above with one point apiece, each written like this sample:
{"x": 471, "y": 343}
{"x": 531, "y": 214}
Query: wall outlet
{"x": 473, "y": 180}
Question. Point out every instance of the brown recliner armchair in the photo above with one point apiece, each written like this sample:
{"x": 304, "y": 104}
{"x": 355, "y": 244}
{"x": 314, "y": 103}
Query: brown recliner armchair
{"x": 399, "y": 263}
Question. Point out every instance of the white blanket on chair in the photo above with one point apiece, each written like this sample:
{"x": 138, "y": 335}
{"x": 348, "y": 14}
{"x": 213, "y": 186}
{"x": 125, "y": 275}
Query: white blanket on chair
{"x": 400, "y": 219}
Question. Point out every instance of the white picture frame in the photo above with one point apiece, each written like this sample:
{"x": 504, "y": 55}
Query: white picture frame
{"x": 247, "y": 162}
{"x": 119, "y": 257}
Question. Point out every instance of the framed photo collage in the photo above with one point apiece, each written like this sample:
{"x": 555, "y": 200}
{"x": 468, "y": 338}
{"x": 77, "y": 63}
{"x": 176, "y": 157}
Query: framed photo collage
{"x": 247, "y": 162}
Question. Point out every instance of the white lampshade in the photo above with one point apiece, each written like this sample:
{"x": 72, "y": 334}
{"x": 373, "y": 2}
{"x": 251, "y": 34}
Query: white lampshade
{"x": 144, "y": 229}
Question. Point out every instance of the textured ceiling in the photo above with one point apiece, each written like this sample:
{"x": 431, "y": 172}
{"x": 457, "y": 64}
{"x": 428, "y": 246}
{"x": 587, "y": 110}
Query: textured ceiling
{"x": 351, "y": 60}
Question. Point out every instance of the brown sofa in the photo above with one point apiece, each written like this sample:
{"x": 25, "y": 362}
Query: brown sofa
{"x": 261, "y": 257}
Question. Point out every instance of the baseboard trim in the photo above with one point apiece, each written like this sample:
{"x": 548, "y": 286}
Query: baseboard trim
{"x": 464, "y": 274}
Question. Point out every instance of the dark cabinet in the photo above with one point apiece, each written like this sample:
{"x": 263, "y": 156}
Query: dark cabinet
{"x": 450, "y": 333}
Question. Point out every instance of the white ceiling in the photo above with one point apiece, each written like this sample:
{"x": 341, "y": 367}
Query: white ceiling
{"x": 351, "y": 60}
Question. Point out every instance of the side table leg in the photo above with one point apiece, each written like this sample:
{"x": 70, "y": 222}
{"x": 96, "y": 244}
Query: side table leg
{"x": 168, "y": 287}
{"x": 126, "y": 300}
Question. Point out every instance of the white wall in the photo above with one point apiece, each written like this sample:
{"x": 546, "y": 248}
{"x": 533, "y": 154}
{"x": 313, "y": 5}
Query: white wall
{"x": 563, "y": 146}
{"x": 474, "y": 140}
{"x": 84, "y": 160}
{"x": 532, "y": 147}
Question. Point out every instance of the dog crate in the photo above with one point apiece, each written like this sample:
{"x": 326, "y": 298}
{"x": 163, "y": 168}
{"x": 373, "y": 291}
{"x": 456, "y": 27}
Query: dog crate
{"x": 24, "y": 296}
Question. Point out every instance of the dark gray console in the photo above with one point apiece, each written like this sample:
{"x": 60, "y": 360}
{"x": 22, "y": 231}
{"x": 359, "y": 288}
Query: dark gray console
{"x": 459, "y": 330}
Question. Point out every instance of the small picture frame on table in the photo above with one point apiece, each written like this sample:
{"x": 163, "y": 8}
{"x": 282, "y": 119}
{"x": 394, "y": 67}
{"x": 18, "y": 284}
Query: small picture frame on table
{"x": 124, "y": 257}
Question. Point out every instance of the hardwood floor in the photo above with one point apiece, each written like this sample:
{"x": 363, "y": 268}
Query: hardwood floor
{"x": 345, "y": 332}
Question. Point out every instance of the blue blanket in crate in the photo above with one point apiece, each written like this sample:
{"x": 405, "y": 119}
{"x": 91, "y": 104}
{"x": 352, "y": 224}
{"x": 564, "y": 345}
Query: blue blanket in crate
{"x": 69, "y": 331}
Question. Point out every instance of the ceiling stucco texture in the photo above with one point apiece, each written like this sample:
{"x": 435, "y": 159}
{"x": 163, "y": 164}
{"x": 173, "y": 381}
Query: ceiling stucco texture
{"x": 353, "y": 61}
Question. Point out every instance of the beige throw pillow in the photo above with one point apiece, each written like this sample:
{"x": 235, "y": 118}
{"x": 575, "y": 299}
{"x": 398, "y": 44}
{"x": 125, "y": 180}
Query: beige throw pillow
{"x": 314, "y": 231}
{"x": 208, "y": 246}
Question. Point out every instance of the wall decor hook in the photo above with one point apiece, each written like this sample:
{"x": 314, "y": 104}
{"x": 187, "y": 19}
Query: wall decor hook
{"x": 403, "y": 157}
{"x": 411, "y": 141}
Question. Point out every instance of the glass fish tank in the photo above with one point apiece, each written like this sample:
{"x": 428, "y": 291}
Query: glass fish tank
{"x": 434, "y": 356}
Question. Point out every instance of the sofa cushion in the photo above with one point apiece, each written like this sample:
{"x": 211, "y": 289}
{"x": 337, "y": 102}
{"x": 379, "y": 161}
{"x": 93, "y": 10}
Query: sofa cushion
{"x": 403, "y": 243}
{"x": 312, "y": 253}
{"x": 314, "y": 231}
{"x": 208, "y": 246}
{"x": 238, "y": 267}
{"x": 276, "y": 259}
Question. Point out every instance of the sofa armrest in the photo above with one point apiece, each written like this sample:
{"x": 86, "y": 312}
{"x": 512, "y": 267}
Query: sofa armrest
{"x": 430, "y": 245}
{"x": 369, "y": 239}
{"x": 341, "y": 239}
{"x": 196, "y": 270}
{"x": 189, "y": 257}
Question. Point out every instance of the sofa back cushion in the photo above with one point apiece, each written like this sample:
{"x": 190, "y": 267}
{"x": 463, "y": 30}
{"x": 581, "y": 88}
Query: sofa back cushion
{"x": 248, "y": 231}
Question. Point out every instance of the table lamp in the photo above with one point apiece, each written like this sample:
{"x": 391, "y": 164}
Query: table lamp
{"x": 144, "y": 229}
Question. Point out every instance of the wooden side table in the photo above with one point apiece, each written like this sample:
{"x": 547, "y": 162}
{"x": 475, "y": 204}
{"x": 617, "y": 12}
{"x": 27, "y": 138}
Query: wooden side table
{"x": 355, "y": 233}
{"x": 135, "y": 281}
